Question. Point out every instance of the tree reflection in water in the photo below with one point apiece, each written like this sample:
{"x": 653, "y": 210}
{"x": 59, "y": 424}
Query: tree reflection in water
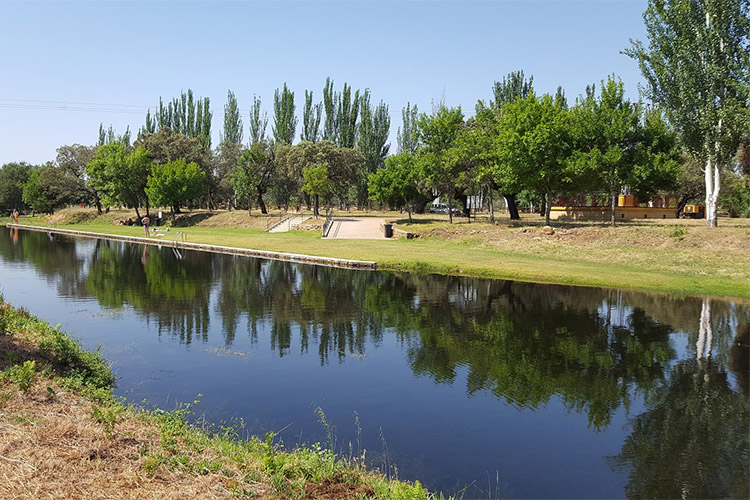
{"x": 594, "y": 350}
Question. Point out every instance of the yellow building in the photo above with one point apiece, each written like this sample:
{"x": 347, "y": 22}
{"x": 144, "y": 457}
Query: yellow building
{"x": 584, "y": 208}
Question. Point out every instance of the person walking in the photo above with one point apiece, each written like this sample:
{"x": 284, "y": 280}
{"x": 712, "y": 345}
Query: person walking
{"x": 146, "y": 221}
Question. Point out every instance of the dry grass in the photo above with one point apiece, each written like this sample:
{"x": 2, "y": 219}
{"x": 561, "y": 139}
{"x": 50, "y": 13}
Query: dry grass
{"x": 52, "y": 448}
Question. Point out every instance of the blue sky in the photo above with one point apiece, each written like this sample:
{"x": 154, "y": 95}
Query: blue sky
{"x": 119, "y": 57}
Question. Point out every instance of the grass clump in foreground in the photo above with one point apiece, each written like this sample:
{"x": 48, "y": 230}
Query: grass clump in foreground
{"x": 64, "y": 435}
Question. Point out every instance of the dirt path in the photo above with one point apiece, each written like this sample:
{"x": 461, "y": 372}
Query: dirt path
{"x": 366, "y": 228}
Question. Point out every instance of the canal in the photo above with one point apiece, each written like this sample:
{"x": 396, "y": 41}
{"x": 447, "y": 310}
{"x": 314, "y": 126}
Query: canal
{"x": 485, "y": 388}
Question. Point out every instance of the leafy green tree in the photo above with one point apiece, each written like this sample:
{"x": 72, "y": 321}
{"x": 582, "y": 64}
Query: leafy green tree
{"x": 120, "y": 175}
{"x": 475, "y": 148}
{"x": 12, "y": 178}
{"x": 224, "y": 161}
{"x": 690, "y": 182}
{"x": 316, "y": 184}
{"x": 166, "y": 145}
{"x": 372, "y": 141}
{"x": 535, "y": 145}
{"x": 621, "y": 146}
{"x": 656, "y": 158}
{"x": 737, "y": 199}
{"x": 254, "y": 174}
{"x": 284, "y": 119}
{"x": 35, "y": 194}
{"x": 514, "y": 86}
{"x": 397, "y": 184}
{"x": 697, "y": 65}
{"x": 438, "y": 158}
{"x": 175, "y": 184}
{"x": 407, "y": 135}
{"x": 342, "y": 166}
{"x": 232, "y": 121}
{"x": 258, "y": 122}
{"x": 311, "y": 115}
{"x": 72, "y": 160}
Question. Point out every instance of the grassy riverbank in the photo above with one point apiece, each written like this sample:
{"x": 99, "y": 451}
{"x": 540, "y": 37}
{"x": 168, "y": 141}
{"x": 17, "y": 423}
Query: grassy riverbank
{"x": 670, "y": 256}
{"x": 63, "y": 435}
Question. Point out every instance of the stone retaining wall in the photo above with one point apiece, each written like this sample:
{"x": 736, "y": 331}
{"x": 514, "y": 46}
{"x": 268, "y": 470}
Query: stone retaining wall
{"x": 263, "y": 254}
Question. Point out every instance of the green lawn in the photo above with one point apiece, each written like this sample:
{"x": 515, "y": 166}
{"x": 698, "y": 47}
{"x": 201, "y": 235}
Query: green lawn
{"x": 607, "y": 262}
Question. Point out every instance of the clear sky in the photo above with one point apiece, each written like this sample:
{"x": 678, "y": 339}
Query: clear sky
{"x": 69, "y": 66}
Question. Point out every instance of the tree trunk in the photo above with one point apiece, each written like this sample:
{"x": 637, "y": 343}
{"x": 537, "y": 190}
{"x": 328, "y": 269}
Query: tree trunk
{"x": 262, "y": 204}
{"x": 450, "y": 208}
{"x": 614, "y": 205}
{"x": 492, "y": 207}
{"x": 544, "y": 205}
{"x": 316, "y": 212}
{"x": 510, "y": 200}
{"x": 681, "y": 206}
{"x": 137, "y": 214}
{"x": 713, "y": 185}
{"x": 547, "y": 208}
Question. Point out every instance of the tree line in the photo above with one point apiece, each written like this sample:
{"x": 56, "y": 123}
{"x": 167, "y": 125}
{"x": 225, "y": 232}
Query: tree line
{"x": 692, "y": 138}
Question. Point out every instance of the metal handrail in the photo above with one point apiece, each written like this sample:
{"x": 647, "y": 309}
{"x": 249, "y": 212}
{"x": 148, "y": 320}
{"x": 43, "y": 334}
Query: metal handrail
{"x": 328, "y": 223}
{"x": 280, "y": 221}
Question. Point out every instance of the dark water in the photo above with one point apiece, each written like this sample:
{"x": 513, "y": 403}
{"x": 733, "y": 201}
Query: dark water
{"x": 503, "y": 388}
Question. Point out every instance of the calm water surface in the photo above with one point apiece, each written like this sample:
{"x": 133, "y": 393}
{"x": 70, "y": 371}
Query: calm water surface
{"x": 497, "y": 388}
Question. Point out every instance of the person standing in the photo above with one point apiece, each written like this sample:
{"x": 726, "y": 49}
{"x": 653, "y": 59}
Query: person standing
{"x": 145, "y": 221}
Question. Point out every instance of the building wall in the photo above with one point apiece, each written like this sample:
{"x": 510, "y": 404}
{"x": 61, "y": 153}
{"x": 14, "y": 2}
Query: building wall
{"x": 604, "y": 213}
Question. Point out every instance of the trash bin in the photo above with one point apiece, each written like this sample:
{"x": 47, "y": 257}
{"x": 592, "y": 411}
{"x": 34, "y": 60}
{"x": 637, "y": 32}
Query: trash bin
{"x": 388, "y": 230}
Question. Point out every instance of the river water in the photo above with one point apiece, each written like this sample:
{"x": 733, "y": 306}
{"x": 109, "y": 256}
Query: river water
{"x": 485, "y": 388}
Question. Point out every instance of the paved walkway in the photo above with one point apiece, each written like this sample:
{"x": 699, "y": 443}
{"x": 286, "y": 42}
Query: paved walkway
{"x": 366, "y": 228}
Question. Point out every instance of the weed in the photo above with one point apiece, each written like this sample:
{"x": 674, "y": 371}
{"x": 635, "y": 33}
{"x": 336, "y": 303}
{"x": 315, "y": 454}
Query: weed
{"x": 679, "y": 232}
{"x": 51, "y": 393}
{"x": 150, "y": 464}
{"x": 329, "y": 428}
{"x": 5, "y": 397}
{"x": 269, "y": 453}
{"x": 107, "y": 416}
{"x": 23, "y": 375}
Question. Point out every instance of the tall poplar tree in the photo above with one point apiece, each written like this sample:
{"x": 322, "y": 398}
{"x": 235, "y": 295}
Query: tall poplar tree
{"x": 330, "y": 103}
{"x": 513, "y": 86}
{"x": 407, "y": 137}
{"x": 311, "y": 115}
{"x": 232, "y": 121}
{"x": 697, "y": 65}
{"x": 284, "y": 119}
{"x": 372, "y": 141}
{"x": 184, "y": 115}
{"x": 258, "y": 122}
{"x": 348, "y": 111}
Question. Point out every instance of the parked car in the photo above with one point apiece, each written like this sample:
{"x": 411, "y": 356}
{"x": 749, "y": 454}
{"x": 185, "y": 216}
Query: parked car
{"x": 442, "y": 208}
